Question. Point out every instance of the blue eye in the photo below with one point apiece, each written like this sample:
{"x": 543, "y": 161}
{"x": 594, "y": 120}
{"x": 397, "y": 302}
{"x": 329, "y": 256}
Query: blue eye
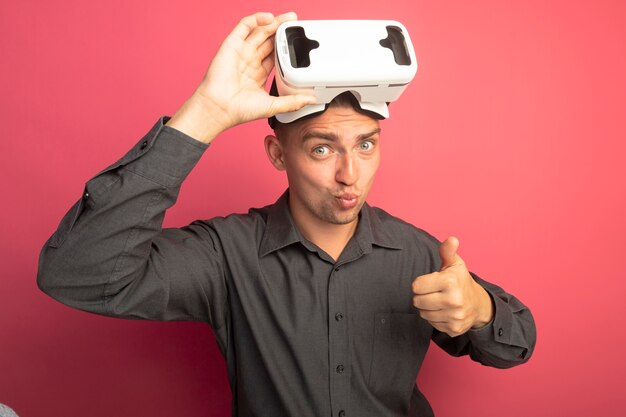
{"x": 366, "y": 145}
{"x": 321, "y": 151}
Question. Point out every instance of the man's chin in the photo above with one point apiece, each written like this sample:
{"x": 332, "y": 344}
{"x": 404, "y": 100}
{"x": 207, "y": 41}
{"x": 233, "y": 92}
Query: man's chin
{"x": 346, "y": 217}
{"x": 343, "y": 221}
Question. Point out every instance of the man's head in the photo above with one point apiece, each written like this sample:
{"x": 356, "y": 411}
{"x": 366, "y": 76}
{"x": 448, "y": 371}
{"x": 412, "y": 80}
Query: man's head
{"x": 330, "y": 159}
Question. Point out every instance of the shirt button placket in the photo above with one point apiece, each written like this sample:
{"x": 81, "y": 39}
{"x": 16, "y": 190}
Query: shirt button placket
{"x": 338, "y": 343}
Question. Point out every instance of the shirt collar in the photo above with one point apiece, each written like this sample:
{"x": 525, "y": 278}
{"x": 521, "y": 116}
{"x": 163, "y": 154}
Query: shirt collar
{"x": 281, "y": 230}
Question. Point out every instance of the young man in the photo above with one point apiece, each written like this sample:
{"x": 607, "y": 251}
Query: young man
{"x": 321, "y": 304}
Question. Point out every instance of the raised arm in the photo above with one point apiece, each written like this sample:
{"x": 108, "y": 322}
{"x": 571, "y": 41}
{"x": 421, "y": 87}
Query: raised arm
{"x": 109, "y": 254}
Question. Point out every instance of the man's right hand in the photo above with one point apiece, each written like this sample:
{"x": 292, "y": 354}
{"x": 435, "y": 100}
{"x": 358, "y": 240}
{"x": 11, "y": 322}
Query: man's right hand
{"x": 233, "y": 89}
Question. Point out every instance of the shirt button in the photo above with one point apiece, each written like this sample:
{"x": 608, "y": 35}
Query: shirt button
{"x": 143, "y": 145}
{"x": 342, "y": 414}
{"x": 500, "y": 332}
{"x": 340, "y": 369}
{"x": 86, "y": 195}
{"x": 338, "y": 316}
{"x": 337, "y": 269}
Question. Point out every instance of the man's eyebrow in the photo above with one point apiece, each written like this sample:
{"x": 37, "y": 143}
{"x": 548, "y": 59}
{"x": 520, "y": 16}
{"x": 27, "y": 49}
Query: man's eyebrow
{"x": 369, "y": 134}
{"x": 332, "y": 137}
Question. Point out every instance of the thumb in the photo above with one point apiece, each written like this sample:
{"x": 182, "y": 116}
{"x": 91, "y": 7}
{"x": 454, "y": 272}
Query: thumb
{"x": 447, "y": 252}
{"x": 290, "y": 103}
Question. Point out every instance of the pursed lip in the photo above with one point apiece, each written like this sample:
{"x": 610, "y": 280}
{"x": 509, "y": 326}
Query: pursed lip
{"x": 347, "y": 201}
{"x": 347, "y": 196}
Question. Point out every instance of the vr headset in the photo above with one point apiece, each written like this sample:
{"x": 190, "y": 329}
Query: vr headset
{"x": 372, "y": 59}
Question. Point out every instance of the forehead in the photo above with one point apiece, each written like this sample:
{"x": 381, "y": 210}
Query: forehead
{"x": 343, "y": 122}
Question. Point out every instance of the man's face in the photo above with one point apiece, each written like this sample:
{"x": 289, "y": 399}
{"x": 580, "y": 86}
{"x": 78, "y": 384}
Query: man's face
{"x": 331, "y": 161}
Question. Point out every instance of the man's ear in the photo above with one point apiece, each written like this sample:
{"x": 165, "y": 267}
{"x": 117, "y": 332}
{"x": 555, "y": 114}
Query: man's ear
{"x": 275, "y": 152}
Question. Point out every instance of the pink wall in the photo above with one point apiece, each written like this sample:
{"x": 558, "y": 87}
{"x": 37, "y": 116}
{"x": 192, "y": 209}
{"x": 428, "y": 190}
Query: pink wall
{"x": 511, "y": 137}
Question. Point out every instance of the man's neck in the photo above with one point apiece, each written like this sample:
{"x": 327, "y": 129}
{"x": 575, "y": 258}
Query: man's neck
{"x": 331, "y": 238}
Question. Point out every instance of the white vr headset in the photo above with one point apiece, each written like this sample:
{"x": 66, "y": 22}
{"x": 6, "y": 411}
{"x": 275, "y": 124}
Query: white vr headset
{"x": 372, "y": 59}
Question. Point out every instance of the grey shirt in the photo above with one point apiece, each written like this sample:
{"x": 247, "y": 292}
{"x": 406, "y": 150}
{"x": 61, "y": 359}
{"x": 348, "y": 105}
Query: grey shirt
{"x": 302, "y": 334}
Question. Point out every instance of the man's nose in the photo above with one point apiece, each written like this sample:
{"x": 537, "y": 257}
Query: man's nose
{"x": 347, "y": 169}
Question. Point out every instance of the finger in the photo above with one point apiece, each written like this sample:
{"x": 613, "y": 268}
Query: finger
{"x": 429, "y": 302}
{"x": 442, "y": 327}
{"x": 290, "y": 103}
{"x": 266, "y": 49}
{"x": 285, "y": 17}
{"x": 448, "y": 252}
{"x": 268, "y": 64}
{"x": 428, "y": 284}
{"x": 438, "y": 316}
{"x": 263, "y": 33}
{"x": 249, "y": 23}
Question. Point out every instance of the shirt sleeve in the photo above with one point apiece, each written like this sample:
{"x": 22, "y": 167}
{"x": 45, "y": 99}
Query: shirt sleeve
{"x": 110, "y": 254}
{"x": 508, "y": 340}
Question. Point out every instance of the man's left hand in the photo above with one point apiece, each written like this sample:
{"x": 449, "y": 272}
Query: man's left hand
{"x": 451, "y": 300}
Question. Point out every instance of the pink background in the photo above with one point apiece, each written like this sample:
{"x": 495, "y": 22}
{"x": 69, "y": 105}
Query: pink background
{"x": 510, "y": 137}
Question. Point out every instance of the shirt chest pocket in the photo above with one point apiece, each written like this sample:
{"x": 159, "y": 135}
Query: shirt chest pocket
{"x": 400, "y": 344}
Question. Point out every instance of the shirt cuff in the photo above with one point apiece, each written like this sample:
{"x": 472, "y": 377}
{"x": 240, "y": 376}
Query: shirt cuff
{"x": 499, "y": 329}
